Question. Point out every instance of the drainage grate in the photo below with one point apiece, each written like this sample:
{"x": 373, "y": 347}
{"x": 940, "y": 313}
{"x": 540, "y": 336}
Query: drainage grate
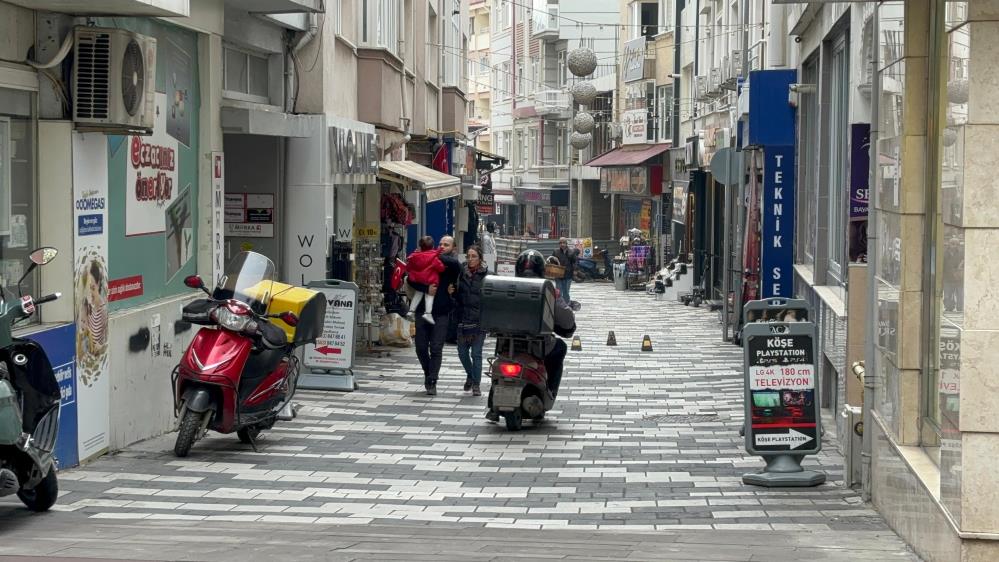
{"x": 682, "y": 418}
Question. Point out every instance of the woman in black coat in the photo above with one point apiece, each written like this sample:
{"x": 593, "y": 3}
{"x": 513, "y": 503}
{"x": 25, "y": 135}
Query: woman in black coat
{"x": 471, "y": 337}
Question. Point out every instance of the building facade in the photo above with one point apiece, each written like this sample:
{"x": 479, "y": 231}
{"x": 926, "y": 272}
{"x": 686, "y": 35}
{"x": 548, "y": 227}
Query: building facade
{"x": 262, "y": 128}
{"x": 892, "y": 133}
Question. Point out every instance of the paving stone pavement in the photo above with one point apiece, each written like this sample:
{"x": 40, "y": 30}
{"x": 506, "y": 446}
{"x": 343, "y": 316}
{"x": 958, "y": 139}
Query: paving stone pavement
{"x": 639, "y": 442}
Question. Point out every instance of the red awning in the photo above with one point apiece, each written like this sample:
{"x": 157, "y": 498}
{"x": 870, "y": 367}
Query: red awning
{"x": 629, "y": 155}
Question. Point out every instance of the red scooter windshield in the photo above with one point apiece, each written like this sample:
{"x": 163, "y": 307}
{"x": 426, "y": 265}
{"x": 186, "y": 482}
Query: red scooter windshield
{"x": 249, "y": 278}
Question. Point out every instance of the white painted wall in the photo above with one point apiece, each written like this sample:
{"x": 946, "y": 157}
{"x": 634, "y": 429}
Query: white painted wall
{"x": 141, "y": 402}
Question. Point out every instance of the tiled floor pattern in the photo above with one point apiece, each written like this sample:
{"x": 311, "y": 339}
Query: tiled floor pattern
{"x": 610, "y": 456}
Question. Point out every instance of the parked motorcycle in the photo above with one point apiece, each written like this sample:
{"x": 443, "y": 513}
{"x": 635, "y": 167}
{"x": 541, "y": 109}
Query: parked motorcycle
{"x": 240, "y": 374}
{"x": 29, "y": 402}
{"x": 519, "y": 380}
{"x": 597, "y": 267}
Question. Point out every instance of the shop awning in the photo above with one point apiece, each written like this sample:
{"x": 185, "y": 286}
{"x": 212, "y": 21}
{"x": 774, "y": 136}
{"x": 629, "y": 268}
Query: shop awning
{"x": 436, "y": 185}
{"x": 487, "y": 162}
{"x": 629, "y": 155}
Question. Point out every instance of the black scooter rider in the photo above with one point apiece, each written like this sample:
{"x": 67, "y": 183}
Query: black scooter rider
{"x": 531, "y": 263}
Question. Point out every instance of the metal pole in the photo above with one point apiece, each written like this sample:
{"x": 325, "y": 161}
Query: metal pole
{"x": 740, "y": 195}
{"x": 676, "y": 78}
{"x": 727, "y": 251}
{"x": 872, "y": 287}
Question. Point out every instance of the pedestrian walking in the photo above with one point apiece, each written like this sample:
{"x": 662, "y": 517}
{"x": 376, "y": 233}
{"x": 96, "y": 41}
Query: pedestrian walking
{"x": 424, "y": 268}
{"x": 429, "y": 339}
{"x": 470, "y": 334}
{"x": 489, "y": 247}
{"x": 567, "y": 258}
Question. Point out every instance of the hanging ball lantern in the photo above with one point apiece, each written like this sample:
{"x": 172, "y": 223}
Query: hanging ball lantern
{"x": 580, "y": 141}
{"x": 583, "y": 122}
{"x": 949, "y": 137}
{"x": 957, "y": 91}
{"x": 584, "y": 93}
{"x": 581, "y": 62}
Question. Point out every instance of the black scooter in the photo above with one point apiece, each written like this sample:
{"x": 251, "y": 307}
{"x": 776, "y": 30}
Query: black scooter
{"x": 29, "y": 403}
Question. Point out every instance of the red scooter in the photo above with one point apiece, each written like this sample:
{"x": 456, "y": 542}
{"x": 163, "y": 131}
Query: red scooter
{"x": 239, "y": 374}
{"x": 519, "y": 380}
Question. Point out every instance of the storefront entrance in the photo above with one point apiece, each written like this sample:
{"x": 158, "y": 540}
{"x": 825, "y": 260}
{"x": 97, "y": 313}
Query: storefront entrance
{"x": 254, "y": 174}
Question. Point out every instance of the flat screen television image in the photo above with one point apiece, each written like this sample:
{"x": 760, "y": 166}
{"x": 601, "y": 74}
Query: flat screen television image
{"x": 766, "y": 399}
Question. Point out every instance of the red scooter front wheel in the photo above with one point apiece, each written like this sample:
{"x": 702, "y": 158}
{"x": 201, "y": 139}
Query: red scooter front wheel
{"x": 187, "y": 434}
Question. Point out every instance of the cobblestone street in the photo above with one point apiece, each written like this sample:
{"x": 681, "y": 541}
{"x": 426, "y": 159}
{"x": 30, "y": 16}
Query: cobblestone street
{"x": 643, "y": 443}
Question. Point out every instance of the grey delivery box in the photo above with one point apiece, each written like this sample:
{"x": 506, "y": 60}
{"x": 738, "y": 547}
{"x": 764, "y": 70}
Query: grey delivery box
{"x": 518, "y": 306}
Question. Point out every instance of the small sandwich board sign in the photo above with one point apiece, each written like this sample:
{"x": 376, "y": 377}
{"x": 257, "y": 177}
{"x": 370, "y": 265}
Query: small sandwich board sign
{"x": 783, "y": 421}
{"x": 329, "y": 362}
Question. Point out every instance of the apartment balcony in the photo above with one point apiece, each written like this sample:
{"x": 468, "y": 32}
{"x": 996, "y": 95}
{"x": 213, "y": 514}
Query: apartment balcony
{"x": 479, "y": 42}
{"x": 554, "y": 104}
{"x": 552, "y": 174}
{"x": 545, "y": 22}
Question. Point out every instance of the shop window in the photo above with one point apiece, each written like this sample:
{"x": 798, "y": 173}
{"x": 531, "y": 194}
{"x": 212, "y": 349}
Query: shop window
{"x": 246, "y": 75}
{"x": 18, "y": 204}
{"x": 945, "y": 243}
{"x": 808, "y": 140}
{"x": 454, "y": 49}
{"x": 664, "y": 111}
{"x": 335, "y": 12}
{"x": 379, "y": 24}
{"x": 532, "y": 147}
{"x": 838, "y": 159}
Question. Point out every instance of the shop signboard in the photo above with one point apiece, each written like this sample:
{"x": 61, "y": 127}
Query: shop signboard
{"x": 627, "y": 180}
{"x": 677, "y": 158}
{"x": 634, "y": 59}
{"x": 777, "y": 259}
{"x": 249, "y": 215}
{"x": 680, "y": 201}
{"x": 782, "y": 397}
{"x": 633, "y": 123}
{"x": 334, "y": 348}
{"x": 59, "y": 344}
{"x": 532, "y": 196}
{"x": 218, "y": 216}
{"x": 151, "y": 183}
{"x": 353, "y": 153}
{"x": 329, "y": 362}
{"x": 645, "y": 218}
{"x": 91, "y": 293}
{"x": 125, "y": 288}
{"x": 860, "y": 161}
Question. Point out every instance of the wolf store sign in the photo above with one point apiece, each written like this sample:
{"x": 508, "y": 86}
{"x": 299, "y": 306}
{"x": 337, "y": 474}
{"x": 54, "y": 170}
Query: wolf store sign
{"x": 353, "y": 155}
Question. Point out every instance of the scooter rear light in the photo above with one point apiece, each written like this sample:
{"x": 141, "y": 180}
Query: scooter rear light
{"x": 510, "y": 369}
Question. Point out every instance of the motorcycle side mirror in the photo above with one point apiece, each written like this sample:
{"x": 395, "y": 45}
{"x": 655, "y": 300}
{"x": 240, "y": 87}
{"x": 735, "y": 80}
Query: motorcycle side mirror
{"x": 42, "y": 256}
{"x": 289, "y": 318}
{"x": 194, "y": 282}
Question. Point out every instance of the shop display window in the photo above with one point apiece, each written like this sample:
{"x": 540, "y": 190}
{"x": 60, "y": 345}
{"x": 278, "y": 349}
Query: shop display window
{"x": 18, "y": 190}
{"x": 940, "y": 434}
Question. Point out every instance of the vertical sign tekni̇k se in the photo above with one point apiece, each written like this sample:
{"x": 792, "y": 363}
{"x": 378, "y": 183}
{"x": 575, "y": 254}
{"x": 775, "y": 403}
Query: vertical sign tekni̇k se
{"x": 777, "y": 259}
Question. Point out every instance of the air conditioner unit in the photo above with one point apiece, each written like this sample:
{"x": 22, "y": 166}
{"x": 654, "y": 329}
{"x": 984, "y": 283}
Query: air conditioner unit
{"x": 114, "y": 79}
{"x": 736, "y": 64}
{"x": 700, "y": 87}
{"x": 715, "y": 80}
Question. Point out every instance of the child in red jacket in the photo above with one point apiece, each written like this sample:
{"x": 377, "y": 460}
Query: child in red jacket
{"x": 424, "y": 266}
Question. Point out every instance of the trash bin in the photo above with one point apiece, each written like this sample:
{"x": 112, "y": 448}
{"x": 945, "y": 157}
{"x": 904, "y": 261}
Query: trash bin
{"x": 620, "y": 276}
